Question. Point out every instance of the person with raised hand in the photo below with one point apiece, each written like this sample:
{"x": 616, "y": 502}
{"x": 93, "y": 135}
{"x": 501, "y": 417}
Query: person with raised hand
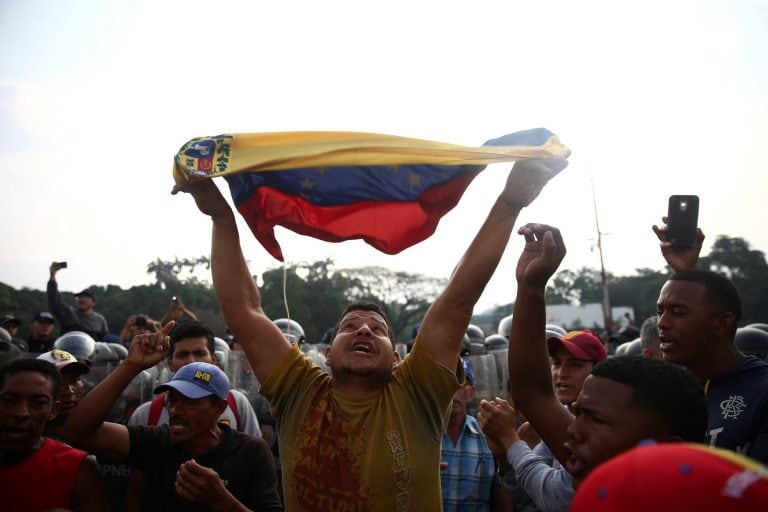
{"x": 698, "y": 316}
{"x": 622, "y": 402}
{"x": 369, "y": 433}
{"x": 192, "y": 463}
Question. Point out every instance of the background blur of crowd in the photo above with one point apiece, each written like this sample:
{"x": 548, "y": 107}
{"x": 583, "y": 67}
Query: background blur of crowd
{"x": 487, "y": 351}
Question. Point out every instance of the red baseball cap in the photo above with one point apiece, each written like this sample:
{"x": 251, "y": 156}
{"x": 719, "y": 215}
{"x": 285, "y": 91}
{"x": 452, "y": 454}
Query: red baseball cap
{"x": 674, "y": 476}
{"x": 581, "y": 344}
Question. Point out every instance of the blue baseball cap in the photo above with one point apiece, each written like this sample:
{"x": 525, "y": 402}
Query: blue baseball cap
{"x": 197, "y": 380}
{"x": 468, "y": 370}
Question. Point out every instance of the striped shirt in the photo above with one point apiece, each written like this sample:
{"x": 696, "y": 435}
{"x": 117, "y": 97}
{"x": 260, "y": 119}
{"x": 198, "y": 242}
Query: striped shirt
{"x": 471, "y": 472}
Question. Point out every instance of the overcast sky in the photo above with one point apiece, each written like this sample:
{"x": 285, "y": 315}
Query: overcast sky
{"x": 654, "y": 98}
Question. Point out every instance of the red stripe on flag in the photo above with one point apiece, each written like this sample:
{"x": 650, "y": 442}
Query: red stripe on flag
{"x": 388, "y": 226}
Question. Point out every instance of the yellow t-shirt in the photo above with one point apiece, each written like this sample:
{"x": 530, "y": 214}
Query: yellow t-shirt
{"x": 380, "y": 453}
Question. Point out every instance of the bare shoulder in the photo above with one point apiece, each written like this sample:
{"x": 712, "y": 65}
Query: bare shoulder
{"x": 88, "y": 494}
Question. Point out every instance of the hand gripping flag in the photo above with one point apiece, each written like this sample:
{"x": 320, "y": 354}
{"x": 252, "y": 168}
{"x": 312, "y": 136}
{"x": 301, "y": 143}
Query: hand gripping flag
{"x": 389, "y": 191}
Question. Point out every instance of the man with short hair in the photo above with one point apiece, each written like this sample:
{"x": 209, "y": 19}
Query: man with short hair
{"x": 650, "y": 344}
{"x": 572, "y": 356}
{"x": 38, "y": 473}
{"x": 72, "y": 373}
{"x": 470, "y": 480}
{"x": 72, "y": 386}
{"x": 11, "y": 324}
{"x": 194, "y": 462}
{"x": 622, "y": 402}
{"x": 8, "y": 351}
{"x": 83, "y": 317}
{"x": 192, "y": 342}
{"x": 41, "y": 337}
{"x": 137, "y": 324}
{"x": 699, "y": 312}
{"x": 367, "y": 435}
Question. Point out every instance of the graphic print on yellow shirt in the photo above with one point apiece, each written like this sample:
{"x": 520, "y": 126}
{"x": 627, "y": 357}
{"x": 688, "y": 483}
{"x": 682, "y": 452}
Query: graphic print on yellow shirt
{"x": 380, "y": 453}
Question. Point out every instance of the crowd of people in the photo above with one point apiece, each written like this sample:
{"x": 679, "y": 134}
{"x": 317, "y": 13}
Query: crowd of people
{"x": 364, "y": 424}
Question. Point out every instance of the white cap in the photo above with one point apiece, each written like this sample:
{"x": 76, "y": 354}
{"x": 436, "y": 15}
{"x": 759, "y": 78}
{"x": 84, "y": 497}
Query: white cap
{"x": 63, "y": 359}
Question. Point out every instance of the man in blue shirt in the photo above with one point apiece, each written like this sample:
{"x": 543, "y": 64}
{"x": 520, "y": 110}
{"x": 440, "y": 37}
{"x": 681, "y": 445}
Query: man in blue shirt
{"x": 470, "y": 481}
{"x": 698, "y": 314}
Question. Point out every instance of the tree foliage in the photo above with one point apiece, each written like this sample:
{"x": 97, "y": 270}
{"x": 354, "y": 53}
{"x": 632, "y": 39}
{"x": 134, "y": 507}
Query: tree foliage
{"x": 639, "y": 292}
{"x": 314, "y": 293}
{"x": 167, "y": 272}
{"x": 583, "y": 286}
{"x": 748, "y": 270}
{"x": 317, "y": 293}
{"x": 404, "y": 296}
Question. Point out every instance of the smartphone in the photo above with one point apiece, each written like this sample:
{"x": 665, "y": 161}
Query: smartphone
{"x": 682, "y": 220}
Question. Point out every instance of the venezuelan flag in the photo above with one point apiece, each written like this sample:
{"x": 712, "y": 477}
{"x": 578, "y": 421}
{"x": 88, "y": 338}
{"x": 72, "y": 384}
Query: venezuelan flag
{"x": 389, "y": 191}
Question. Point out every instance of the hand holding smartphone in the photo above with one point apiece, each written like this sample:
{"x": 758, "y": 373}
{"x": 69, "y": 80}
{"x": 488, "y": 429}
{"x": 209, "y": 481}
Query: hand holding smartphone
{"x": 682, "y": 220}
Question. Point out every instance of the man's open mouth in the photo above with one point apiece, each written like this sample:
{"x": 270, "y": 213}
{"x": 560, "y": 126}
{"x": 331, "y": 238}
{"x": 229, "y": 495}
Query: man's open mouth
{"x": 363, "y": 348}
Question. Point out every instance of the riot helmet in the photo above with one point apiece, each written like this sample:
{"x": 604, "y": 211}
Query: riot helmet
{"x": 103, "y": 353}
{"x": 496, "y": 342}
{"x": 505, "y": 326}
{"x": 761, "y": 326}
{"x": 476, "y": 334}
{"x": 752, "y": 341}
{"x": 554, "y": 328}
{"x": 77, "y": 343}
{"x": 291, "y": 329}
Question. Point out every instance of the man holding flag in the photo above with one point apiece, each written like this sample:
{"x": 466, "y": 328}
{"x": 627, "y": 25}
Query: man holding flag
{"x": 367, "y": 436}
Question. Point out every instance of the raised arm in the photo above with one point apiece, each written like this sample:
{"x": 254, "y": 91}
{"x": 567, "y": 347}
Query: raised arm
{"x": 55, "y": 304}
{"x": 447, "y": 319}
{"x": 530, "y": 376}
{"x": 176, "y": 311}
{"x": 86, "y": 427}
{"x": 263, "y": 343}
{"x": 679, "y": 258}
{"x": 543, "y": 483}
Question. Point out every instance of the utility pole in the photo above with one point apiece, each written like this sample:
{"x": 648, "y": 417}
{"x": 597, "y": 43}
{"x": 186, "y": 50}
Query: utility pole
{"x": 607, "y": 317}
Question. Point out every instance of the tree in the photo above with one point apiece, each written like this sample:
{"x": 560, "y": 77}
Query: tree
{"x": 167, "y": 272}
{"x": 7, "y": 302}
{"x": 733, "y": 258}
{"x": 315, "y": 295}
{"x": 748, "y": 270}
{"x": 638, "y": 291}
{"x": 576, "y": 287}
{"x": 561, "y": 289}
{"x": 404, "y": 296}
